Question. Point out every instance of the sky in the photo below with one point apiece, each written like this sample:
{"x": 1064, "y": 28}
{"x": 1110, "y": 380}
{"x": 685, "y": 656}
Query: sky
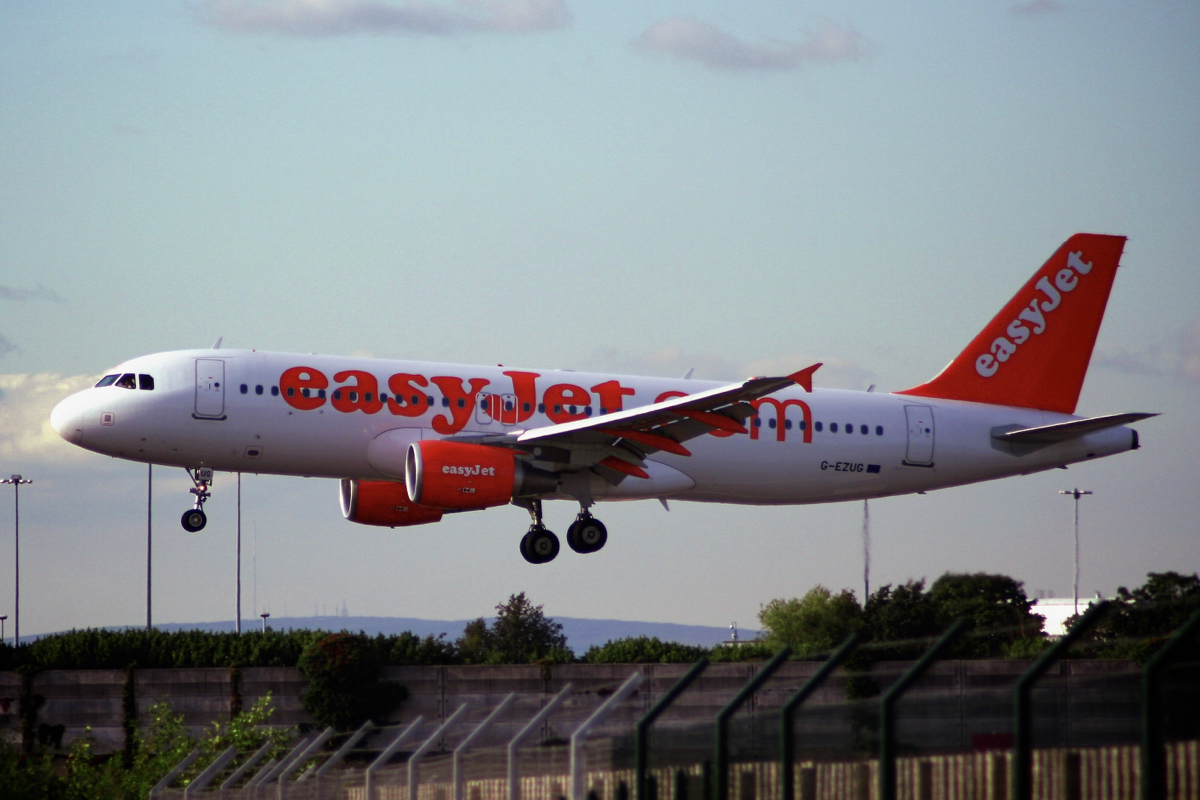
{"x": 739, "y": 188}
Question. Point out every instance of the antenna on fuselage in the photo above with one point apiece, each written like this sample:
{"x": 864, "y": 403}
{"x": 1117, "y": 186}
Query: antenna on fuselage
{"x": 687, "y": 376}
{"x": 217, "y": 344}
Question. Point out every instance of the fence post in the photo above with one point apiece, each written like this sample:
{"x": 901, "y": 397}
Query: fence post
{"x": 642, "y": 730}
{"x": 381, "y": 760}
{"x": 787, "y": 714}
{"x": 514, "y": 744}
{"x": 721, "y": 757}
{"x": 414, "y": 761}
{"x": 210, "y": 772}
{"x": 246, "y": 767}
{"x": 458, "y": 776}
{"x": 623, "y": 691}
{"x": 170, "y": 777}
{"x": 1154, "y": 757}
{"x": 887, "y": 708}
{"x": 1022, "y": 788}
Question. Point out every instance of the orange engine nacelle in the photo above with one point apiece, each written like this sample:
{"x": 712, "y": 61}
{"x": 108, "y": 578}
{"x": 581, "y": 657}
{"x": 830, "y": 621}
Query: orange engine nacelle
{"x": 458, "y": 476}
{"x": 383, "y": 503}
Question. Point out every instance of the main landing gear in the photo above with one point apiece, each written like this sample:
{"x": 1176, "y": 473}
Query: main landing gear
{"x": 195, "y": 519}
{"x": 540, "y": 546}
{"x": 586, "y": 534}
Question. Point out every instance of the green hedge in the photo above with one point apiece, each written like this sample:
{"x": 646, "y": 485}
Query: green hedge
{"x": 153, "y": 649}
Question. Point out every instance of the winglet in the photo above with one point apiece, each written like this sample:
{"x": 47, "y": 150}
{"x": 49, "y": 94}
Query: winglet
{"x": 804, "y": 376}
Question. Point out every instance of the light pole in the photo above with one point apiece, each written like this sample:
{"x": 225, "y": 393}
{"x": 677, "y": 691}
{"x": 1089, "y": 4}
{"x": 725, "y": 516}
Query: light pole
{"x": 1076, "y": 493}
{"x": 16, "y": 481}
{"x": 149, "y": 537}
{"x": 2, "y": 618}
{"x": 264, "y": 616}
{"x": 237, "y": 616}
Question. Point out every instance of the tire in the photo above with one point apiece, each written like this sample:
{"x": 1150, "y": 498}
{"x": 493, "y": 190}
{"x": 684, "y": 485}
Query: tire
{"x": 587, "y": 535}
{"x": 539, "y": 546}
{"x": 193, "y": 520}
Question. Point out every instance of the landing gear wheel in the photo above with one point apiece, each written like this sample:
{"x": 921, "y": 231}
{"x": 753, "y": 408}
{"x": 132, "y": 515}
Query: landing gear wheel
{"x": 193, "y": 520}
{"x": 539, "y": 546}
{"x": 587, "y": 535}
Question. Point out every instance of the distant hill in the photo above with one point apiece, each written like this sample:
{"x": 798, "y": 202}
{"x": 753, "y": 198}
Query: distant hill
{"x": 581, "y": 633}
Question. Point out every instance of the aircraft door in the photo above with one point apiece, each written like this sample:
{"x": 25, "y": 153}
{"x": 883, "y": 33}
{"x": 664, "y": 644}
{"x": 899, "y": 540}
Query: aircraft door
{"x": 920, "y": 436}
{"x": 210, "y": 388}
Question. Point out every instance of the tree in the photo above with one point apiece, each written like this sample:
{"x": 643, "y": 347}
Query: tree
{"x": 815, "y": 623}
{"x": 521, "y": 634}
{"x": 901, "y": 613}
{"x": 996, "y": 605}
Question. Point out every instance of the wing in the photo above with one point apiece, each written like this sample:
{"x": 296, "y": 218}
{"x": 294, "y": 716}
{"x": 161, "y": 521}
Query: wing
{"x": 616, "y": 444}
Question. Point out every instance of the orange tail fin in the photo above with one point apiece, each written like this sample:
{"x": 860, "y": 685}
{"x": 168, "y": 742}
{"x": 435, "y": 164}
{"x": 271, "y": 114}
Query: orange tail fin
{"x": 1035, "y": 352}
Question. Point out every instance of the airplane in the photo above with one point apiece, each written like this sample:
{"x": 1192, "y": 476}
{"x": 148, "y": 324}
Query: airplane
{"x": 412, "y": 441}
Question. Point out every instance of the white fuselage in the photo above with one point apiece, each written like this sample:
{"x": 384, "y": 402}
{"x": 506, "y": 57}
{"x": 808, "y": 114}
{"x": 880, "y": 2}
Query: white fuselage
{"x": 225, "y": 409}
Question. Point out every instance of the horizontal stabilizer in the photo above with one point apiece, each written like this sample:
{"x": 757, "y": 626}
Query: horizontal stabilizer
{"x": 1062, "y": 431}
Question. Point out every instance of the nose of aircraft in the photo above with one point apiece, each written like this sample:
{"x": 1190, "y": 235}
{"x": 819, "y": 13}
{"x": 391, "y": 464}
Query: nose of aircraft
{"x": 67, "y": 418}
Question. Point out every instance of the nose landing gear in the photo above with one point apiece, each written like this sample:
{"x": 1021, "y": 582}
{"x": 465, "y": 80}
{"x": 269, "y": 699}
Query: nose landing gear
{"x": 195, "y": 519}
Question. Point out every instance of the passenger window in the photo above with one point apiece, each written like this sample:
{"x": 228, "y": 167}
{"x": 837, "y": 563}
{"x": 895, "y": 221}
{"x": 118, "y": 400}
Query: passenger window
{"x": 337, "y": 394}
{"x": 757, "y": 422}
{"x": 126, "y": 381}
{"x": 525, "y": 406}
{"x": 461, "y": 403}
{"x": 863, "y": 430}
{"x": 817, "y": 427}
{"x": 354, "y": 397}
{"x": 383, "y": 397}
{"x": 587, "y": 410}
{"x": 429, "y": 399}
{"x": 804, "y": 425}
{"x": 107, "y": 380}
{"x": 274, "y": 391}
{"x": 787, "y": 424}
{"x": 367, "y": 397}
{"x": 245, "y": 389}
{"x": 258, "y": 389}
{"x": 832, "y": 427}
{"x": 146, "y": 382}
{"x": 603, "y": 410}
{"x": 879, "y": 430}
{"x": 849, "y": 427}
{"x": 771, "y": 423}
{"x": 541, "y": 408}
{"x": 445, "y": 402}
{"x": 321, "y": 393}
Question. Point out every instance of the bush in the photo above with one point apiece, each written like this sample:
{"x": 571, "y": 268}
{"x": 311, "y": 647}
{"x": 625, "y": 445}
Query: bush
{"x": 343, "y": 682}
{"x": 643, "y": 650}
{"x": 816, "y": 623}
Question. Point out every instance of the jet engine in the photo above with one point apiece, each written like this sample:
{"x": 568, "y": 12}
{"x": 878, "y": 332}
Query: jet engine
{"x": 383, "y": 503}
{"x": 453, "y": 475}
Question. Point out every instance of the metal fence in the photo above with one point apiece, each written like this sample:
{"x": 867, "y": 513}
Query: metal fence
{"x": 805, "y": 744}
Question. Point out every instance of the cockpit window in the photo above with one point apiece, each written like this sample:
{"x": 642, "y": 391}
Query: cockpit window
{"x": 107, "y": 380}
{"x": 126, "y": 381}
{"x": 146, "y": 382}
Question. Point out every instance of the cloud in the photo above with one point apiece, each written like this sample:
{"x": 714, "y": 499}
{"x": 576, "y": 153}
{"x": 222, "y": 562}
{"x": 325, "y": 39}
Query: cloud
{"x": 25, "y": 405}
{"x": 337, "y": 17}
{"x": 1181, "y": 361}
{"x": 690, "y": 39}
{"x": 1036, "y": 7}
{"x": 38, "y": 293}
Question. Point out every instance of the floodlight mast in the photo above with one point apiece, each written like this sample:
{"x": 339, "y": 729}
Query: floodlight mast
{"x": 1076, "y": 493}
{"x": 16, "y": 481}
